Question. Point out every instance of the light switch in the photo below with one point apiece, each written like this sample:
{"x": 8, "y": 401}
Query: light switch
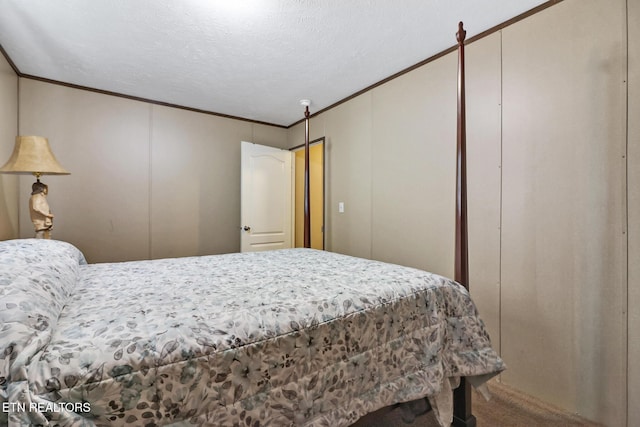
{"x": 341, "y": 207}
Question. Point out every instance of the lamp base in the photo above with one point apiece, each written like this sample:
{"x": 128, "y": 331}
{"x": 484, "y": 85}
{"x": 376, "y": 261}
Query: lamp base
{"x": 43, "y": 234}
{"x": 41, "y": 216}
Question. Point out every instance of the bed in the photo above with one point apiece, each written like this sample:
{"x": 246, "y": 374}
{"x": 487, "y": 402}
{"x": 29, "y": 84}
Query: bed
{"x": 295, "y": 337}
{"x": 290, "y": 337}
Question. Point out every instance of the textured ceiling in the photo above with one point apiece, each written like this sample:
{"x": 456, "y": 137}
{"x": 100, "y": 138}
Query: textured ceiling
{"x": 253, "y": 59}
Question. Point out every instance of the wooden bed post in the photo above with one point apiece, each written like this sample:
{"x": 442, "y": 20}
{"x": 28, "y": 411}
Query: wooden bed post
{"x": 307, "y": 192}
{"x": 462, "y": 416}
{"x": 461, "y": 254}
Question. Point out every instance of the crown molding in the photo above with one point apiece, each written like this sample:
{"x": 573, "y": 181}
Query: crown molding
{"x": 342, "y": 101}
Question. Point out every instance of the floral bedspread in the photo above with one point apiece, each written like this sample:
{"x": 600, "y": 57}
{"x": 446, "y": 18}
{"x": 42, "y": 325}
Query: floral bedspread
{"x": 294, "y": 337}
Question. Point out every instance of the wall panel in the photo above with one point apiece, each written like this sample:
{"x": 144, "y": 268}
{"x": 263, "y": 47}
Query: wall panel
{"x": 270, "y": 135}
{"x": 633, "y": 191}
{"x": 413, "y": 167}
{"x": 8, "y": 130}
{"x": 564, "y": 256}
{"x": 483, "y": 100}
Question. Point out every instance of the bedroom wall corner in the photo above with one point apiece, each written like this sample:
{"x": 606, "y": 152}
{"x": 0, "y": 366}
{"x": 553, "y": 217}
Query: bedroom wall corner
{"x": 146, "y": 181}
{"x": 295, "y": 134}
{"x": 195, "y": 180}
{"x": 9, "y": 208}
{"x": 633, "y": 209}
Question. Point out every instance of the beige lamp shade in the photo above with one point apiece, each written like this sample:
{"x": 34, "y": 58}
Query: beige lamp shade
{"x": 32, "y": 154}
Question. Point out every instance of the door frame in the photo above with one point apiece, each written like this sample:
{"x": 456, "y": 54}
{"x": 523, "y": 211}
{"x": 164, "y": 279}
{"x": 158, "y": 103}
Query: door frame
{"x": 322, "y": 140}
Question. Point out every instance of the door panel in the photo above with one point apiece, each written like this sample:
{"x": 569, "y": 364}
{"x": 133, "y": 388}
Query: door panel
{"x": 266, "y": 212}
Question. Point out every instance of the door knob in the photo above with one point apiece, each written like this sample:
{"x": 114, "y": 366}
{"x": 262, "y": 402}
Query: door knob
{"x": 246, "y": 228}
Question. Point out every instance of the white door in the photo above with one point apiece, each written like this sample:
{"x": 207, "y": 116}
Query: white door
{"x": 266, "y": 211}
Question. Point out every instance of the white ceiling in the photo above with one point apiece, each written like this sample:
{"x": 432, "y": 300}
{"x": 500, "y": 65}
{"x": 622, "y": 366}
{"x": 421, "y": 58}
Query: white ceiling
{"x": 254, "y": 59}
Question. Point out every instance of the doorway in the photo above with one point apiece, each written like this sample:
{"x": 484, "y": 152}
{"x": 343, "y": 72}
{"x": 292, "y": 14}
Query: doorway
{"x": 316, "y": 190}
{"x": 266, "y": 198}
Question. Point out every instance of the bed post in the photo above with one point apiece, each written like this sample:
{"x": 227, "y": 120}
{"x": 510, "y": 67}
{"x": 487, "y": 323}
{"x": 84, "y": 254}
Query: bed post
{"x": 307, "y": 192}
{"x": 462, "y": 416}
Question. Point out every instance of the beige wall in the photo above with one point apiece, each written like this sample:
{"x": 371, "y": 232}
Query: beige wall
{"x": 633, "y": 209}
{"x": 564, "y": 216}
{"x": 406, "y": 208}
{"x": 348, "y": 177}
{"x": 484, "y": 151}
{"x": 146, "y": 181}
{"x": 8, "y": 131}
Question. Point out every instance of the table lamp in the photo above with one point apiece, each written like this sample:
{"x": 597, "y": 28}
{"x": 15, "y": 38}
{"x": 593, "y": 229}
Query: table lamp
{"x": 33, "y": 155}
